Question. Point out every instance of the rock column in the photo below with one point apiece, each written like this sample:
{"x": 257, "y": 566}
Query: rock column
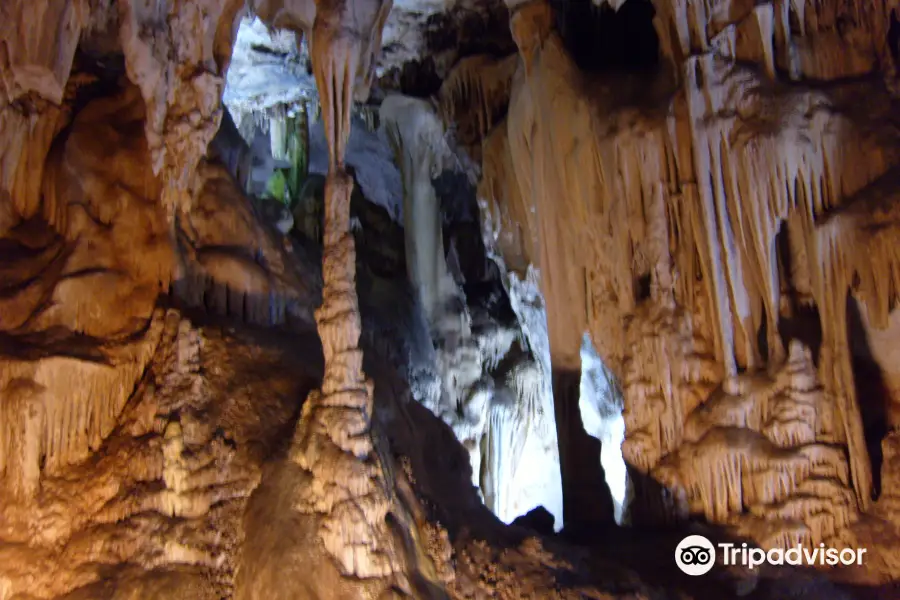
{"x": 333, "y": 440}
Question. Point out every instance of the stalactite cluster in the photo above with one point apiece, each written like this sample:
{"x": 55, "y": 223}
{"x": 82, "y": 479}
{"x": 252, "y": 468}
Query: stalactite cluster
{"x": 690, "y": 184}
{"x": 235, "y": 264}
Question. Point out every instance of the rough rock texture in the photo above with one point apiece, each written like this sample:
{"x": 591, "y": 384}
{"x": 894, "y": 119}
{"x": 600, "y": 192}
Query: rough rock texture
{"x": 183, "y": 96}
{"x": 81, "y": 284}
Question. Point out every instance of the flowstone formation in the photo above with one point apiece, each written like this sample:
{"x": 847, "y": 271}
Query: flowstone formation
{"x": 87, "y": 249}
{"x": 712, "y": 192}
{"x": 83, "y": 353}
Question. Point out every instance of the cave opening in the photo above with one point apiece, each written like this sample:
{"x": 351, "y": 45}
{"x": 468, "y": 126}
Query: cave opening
{"x": 602, "y": 39}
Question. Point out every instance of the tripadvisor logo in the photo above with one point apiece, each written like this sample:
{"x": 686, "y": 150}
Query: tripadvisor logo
{"x": 696, "y": 555}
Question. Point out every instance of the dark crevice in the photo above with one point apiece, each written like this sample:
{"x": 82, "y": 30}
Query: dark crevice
{"x": 642, "y": 287}
{"x": 873, "y": 396}
{"x": 893, "y": 36}
{"x": 794, "y": 21}
{"x": 587, "y": 503}
{"x": 802, "y": 321}
{"x": 804, "y": 325}
{"x": 762, "y": 337}
{"x": 270, "y": 51}
{"x": 601, "y": 39}
{"x": 457, "y": 34}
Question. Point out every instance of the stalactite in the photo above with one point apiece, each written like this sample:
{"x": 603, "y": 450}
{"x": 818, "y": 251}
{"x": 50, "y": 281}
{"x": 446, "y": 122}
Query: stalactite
{"x": 821, "y": 49}
{"x": 505, "y": 438}
{"x": 511, "y": 226}
{"x": 279, "y": 132}
{"x": 476, "y": 89}
{"x": 417, "y": 137}
{"x": 737, "y": 161}
{"x": 64, "y": 407}
{"x": 33, "y": 101}
{"x": 234, "y": 265}
{"x": 150, "y": 493}
{"x": 183, "y": 111}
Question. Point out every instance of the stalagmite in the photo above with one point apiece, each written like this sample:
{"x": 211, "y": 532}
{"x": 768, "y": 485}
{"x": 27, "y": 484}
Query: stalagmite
{"x": 357, "y": 538}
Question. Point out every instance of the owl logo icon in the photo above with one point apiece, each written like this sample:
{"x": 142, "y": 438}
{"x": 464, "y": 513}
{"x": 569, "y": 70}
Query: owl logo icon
{"x": 695, "y": 555}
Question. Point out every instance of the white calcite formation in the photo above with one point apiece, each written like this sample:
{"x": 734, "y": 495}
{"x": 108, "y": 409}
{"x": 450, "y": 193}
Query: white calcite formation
{"x": 500, "y": 422}
{"x": 417, "y": 137}
{"x": 537, "y": 478}
{"x": 600, "y": 403}
{"x": 268, "y": 69}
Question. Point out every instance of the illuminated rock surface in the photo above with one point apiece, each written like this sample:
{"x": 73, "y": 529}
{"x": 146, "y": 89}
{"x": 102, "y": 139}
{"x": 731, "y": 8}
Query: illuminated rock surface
{"x": 606, "y": 274}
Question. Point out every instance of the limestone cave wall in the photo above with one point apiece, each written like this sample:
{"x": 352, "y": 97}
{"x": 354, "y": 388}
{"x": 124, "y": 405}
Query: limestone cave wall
{"x": 684, "y": 296}
{"x": 735, "y": 218}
